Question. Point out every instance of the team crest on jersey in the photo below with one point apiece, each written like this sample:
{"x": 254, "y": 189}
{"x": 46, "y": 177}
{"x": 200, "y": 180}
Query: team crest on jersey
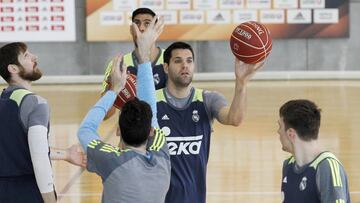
{"x": 302, "y": 185}
{"x": 195, "y": 116}
{"x": 156, "y": 78}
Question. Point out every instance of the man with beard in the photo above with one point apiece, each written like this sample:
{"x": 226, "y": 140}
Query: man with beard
{"x": 185, "y": 114}
{"x": 25, "y": 172}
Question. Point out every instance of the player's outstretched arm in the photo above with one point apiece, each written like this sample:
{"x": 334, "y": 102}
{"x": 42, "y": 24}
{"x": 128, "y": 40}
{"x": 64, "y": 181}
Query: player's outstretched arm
{"x": 234, "y": 114}
{"x": 88, "y": 128}
{"x": 74, "y": 155}
{"x": 144, "y": 85}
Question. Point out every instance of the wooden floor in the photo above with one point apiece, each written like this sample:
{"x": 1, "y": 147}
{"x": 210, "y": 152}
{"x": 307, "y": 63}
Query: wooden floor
{"x": 245, "y": 162}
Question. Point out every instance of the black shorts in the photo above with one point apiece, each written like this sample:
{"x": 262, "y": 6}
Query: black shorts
{"x": 19, "y": 190}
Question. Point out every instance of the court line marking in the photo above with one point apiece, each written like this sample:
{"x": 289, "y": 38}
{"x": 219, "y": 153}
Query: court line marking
{"x": 84, "y": 194}
{"x": 77, "y": 174}
{"x": 257, "y": 193}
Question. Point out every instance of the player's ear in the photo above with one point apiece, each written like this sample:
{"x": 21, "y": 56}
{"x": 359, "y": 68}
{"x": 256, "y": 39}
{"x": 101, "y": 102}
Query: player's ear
{"x": 166, "y": 68}
{"x": 152, "y": 132}
{"x": 12, "y": 68}
{"x": 291, "y": 133}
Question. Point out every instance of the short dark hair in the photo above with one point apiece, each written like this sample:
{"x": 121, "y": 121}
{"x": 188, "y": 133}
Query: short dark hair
{"x": 173, "y": 46}
{"x": 142, "y": 11}
{"x": 9, "y": 55}
{"x": 135, "y": 122}
{"x": 302, "y": 115}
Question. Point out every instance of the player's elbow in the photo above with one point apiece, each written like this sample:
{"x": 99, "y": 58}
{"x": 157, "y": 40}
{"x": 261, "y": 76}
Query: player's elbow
{"x": 110, "y": 113}
{"x": 236, "y": 122}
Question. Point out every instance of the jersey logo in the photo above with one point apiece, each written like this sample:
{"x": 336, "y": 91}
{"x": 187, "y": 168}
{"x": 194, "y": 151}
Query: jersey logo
{"x": 184, "y": 145}
{"x": 195, "y": 116}
{"x": 302, "y": 185}
{"x": 285, "y": 179}
{"x": 156, "y": 79}
{"x": 165, "y": 118}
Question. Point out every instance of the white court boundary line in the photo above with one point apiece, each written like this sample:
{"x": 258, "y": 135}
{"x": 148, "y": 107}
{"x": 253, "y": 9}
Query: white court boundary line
{"x": 84, "y": 194}
{"x": 216, "y": 76}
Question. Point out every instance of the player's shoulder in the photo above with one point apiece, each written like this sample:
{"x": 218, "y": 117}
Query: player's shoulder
{"x": 208, "y": 92}
{"x": 35, "y": 99}
{"x": 325, "y": 159}
{"x": 290, "y": 160}
{"x": 23, "y": 96}
{"x": 330, "y": 168}
{"x": 211, "y": 95}
{"x": 100, "y": 147}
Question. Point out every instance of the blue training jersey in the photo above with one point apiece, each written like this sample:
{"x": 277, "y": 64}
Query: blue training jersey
{"x": 187, "y": 133}
{"x": 160, "y": 77}
{"x": 322, "y": 180}
{"x": 15, "y": 156}
{"x": 130, "y": 59}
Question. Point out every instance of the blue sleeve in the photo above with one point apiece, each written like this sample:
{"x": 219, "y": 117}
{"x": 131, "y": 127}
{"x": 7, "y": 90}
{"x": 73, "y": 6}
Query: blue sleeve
{"x": 88, "y": 128}
{"x": 145, "y": 89}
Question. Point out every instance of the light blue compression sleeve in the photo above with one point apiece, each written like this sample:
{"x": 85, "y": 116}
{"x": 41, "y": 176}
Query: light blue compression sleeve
{"x": 145, "y": 89}
{"x": 88, "y": 128}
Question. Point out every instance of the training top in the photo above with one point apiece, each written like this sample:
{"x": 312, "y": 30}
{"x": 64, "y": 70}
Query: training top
{"x": 20, "y": 109}
{"x": 186, "y": 123}
{"x": 130, "y": 59}
{"x": 323, "y": 180}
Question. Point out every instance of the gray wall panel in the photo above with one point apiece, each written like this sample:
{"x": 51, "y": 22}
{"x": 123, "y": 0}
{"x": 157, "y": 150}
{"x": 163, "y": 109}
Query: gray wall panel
{"x": 214, "y": 57}
{"x": 101, "y": 53}
{"x": 328, "y": 54}
{"x": 287, "y": 54}
{"x": 62, "y": 58}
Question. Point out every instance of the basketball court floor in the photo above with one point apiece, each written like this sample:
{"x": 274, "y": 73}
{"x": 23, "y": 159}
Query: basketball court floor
{"x": 245, "y": 162}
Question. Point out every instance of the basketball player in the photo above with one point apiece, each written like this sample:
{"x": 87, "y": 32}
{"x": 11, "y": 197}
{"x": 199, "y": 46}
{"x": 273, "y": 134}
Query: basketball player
{"x": 25, "y": 172}
{"x": 142, "y": 18}
{"x": 311, "y": 174}
{"x": 186, "y": 113}
{"x": 135, "y": 173}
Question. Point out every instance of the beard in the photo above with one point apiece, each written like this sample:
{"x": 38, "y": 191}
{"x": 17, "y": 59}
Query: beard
{"x": 32, "y": 76}
{"x": 182, "y": 82}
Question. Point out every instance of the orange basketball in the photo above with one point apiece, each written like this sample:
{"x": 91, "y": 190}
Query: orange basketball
{"x": 128, "y": 93}
{"x": 251, "y": 42}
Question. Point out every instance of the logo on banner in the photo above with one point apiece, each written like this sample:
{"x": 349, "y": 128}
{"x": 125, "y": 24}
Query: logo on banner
{"x": 192, "y": 17}
{"x": 112, "y": 18}
{"x": 7, "y": 19}
{"x": 299, "y": 16}
{"x": 326, "y": 15}
{"x": 312, "y": 4}
{"x": 272, "y": 16}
